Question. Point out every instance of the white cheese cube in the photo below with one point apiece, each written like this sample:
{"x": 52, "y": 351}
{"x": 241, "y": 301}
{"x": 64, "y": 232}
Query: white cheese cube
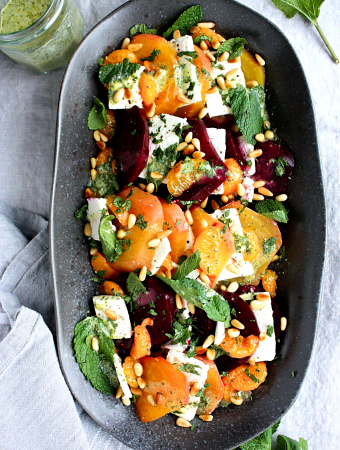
{"x": 95, "y": 209}
{"x": 232, "y": 215}
{"x": 183, "y": 44}
{"x": 245, "y": 268}
{"x": 193, "y": 275}
{"x": 248, "y": 184}
{"x": 247, "y": 148}
{"x": 266, "y": 350}
{"x": 218, "y": 139}
{"x": 215, "y": 105}
{"x": 120, "y": 328}
{"x": 223, "y": 67}
{"x": 121, "y": 376}
{"x": 219, "y": 333}
{"x": 162, "y": 252}
{"x": 190, "y": 240}
{"x": 131, "y": 83}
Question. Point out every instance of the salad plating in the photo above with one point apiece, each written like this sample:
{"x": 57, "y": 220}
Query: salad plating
{"x": 185, "y": 313}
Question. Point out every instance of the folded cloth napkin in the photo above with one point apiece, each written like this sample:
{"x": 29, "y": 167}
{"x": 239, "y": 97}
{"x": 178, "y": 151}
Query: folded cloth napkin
{"x": 37, "y": 409}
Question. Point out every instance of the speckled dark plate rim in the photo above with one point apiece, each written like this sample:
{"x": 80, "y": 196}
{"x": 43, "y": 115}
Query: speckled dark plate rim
{"x": 242, "y": 427}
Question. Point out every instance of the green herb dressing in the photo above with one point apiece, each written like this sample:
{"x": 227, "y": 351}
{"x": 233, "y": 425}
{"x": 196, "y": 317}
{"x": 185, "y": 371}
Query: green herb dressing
{"x": 20, "y": 14}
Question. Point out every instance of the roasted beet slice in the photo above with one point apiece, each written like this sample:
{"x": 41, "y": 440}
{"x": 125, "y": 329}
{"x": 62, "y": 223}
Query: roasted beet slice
{"x": 163, "y": 298}
{"x": 124, "y": 346}
{"x": 226, "y": 121}
{"x": 199, "y": 131}
{"x": 234, "y": 149}
{"x": 248, "y": 288}
{"x": 205, "y": 326}
{"x": 132, "y": 145}
{"x": 277, "y": 319}
{"x": 243, "y": 313}
{"x": 225, "y": 363}
{"x": 266, "y": 165}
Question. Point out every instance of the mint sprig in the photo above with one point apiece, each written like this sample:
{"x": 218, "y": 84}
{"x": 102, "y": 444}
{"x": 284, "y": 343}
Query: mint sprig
{"x": 190, "y": 264}
{"x": 134, "y": 285}
{"x": 111, "y": 245}
{"x": 141, "y": 29}
{"x": 233, "y": 46}
{"x": 97, "y": 116}
{"x": 117, "y": 72}
{"x": 272, "y": 209}
{"x": 186, "y": 20}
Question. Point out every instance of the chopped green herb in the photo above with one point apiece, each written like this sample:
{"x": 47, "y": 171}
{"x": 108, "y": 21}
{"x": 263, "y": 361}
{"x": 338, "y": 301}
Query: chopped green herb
{"x": 192, "y": 55}
{"x": 270, "y": 330}
{"x": 251, "y": 376}
{"x": 121, "y": 204}
{"x": 140, "y": 222}
{"x": 152, "y": 56}
{"x": 141, "y": 29}
{"x": 203, "y": 37}
{"x": 97, "y": 116}
{"x": 280, "y": 166}
{"x": 268, "y": 245}
{"x": 81, "y": 213}
{"x": 189, "y": 368}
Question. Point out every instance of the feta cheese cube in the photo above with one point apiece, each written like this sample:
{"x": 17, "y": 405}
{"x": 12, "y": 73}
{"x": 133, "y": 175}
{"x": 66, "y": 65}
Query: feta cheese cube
{"x": 266, "y": 350}
{"x": 218, "y": 139}
{"x": 223, "y": 67}
{"x": 121, "y": 376}
{"x": 247, "y": 148}
{"x": 215, "y": 105}
{"x": 131, "y": 83}
{"x": 95, "y": 209}
{"x": 219, "y": 333}
{"x": 120, "y": 328}
{"x": 248, "y": 184}
{"x": 162, "y": 252}
{"x": 190, "y": 240}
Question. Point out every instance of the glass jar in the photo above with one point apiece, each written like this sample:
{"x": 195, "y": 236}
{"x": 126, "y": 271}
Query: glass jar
{"x": 50, "y": 41}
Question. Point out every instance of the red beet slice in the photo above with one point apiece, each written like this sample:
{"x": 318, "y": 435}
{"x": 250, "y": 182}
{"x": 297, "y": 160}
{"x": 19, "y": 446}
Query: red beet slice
{"x": 277, "y": 319}
{"x": 163, "y": 298}
{"x": 248, "y": 288}
{"x": 265, "y": 166}
{"x": 225, "y": 363}
{"x": 132, "y": 149}
{"x": 234, "y": 149}
{"x": 124, "y": 346}
{"x": 243, "y": 313}
{"x": 205, "y": 326}
{"x": 225, "y": 121}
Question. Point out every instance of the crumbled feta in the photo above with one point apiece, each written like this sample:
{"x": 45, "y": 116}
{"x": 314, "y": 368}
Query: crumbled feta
{"x": 223, "y": 67}
{"x": 121, "y": 376}
{"x": 190, "y": 240}
{"x": 131, "y": 83}
{"x": 95, "y": 209}
{"x": 266, "y": 350}
{"x": 248, "y": 184}
{"x": 247, "y": 148}
{"x": 162, "y": 252}
{"x": 219, "y": 333}
{"x": 120, "y": 328}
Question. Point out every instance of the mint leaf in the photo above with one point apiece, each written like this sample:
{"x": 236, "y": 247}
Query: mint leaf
{"x": 97, "y": 116}
{"x": 134, "y": 285}
{"x": 96, "y": 366}
{"x": 202, "y": 37}
{"x": 108, "y": 237}
{"x": 81, "y": 213}
{"x": 270, "y": 330}
{"x": 105, "y": 183}
{"x": 117, "y": 72}
{"x": 275, "y": 427}
{"x": 141, "y": 29}
{"x": 140, "y": 222}
{"x": 261, "y": 442}
{"x": 303, "y": 444}
{"x": 280, "y": 165}
{"x": 189, "y": 368}
{"x": 272, "y": 209}
{"x": 190, "y": 264}
{"x": 192, "y": 55}
{"x": 286, "y": 443}
{"x": 268, "y": 245}
{"x": 247, "y": 111}
{"x": 186, "y": 20}
{"x": 121, "y": 204}
{"x": 233, "y": 46}
{"x": 152, "y": 56}
{"x": 218, "y": 351}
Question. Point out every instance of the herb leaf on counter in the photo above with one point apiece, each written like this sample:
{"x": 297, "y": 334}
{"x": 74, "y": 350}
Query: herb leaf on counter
{"x": 186, "y": 20}
{"x": 97, "y": 116}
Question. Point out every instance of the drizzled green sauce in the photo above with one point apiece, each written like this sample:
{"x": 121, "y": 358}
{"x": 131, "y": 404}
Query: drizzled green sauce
{"x": 20, "y": 14}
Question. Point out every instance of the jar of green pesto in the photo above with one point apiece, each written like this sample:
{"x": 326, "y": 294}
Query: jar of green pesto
{"x": 40, "y": 34}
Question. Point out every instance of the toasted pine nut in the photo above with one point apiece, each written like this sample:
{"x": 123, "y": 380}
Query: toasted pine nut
{"x": 233, "y": 287}
{"x": 194, "y": 389}
{"x": 194, "y": 29}
{"x": 263, "y": 297}
{"x": 281, "y": 198}
{"x": 251, "y": 361}
{"x": 196, "y": 143}
{"x": 252, "y": 83}
{"x": 119, "y": 95}
{"x": 260, "y": 60}
{"x": 233, "y": 333}
{"x": 215, "y": 43}
{"x": 151, "y": 400}
{"x": 142, "y": 273}
{"x": 131, "y": 221}
{"x": 240, "y": 190}
{"x": 203, "y": 112}
{"x": 93, "y": 251}
{"x": 262, "y": 336}
{"x": 274, "y": 258}
{"x": 156, "y": 176}
{"x": 181, "y": 146}
{"x": 214, "y": 205}
{"x": 176, "y": 34}
{"x": 188, "y": 150}
{"x": 235, "y": 60}
{"x": 198, "y": 155}
{"x": 259, "y": 137}
{"x": 87, "y": 229}
{"x": 221, "y": 82}
{"x": 204, "y": 203}
{"x": 203, "y": 223}
{"x": 147, "y": 65}
{"x": 121, "y": 234}
{"x": 191, "y": 308}
{"x": 230, "y": 196}
{"x": 258, "y": 184}
{"x": 265, "y": 191}
{"x": 223, "y": 288}
{"x": 161, "y": 274}
{"x": 230, "y": 84}
{"x": 200, "y": 350}
{"x": 206, "y": 417}
{"x": 128, "y": 96}
{"x": 188, "y": 216}
{"x": 183, "y": 99}
{"x": 111, "y": 314}
{"x": 134, "y": 47}
{"x": 224, "y": 198}
{"x": 150, "y": 188}
{"x": 231, "y": 74}
{"x": 237, "y": 324}
{"x": 257, "y": 305}
{"x": 209, "y": 341}
{"x": 179, "y": 304}
{"x": 204, "y": 277}
{"x": 88, "y": 193}
{"x": 233, "y": 269}
{"x": 206, "y": 24}
{"x": 95, "y": 344}
{"x": 103, "y": 137}
{"x": 138, "y": 368}
{"x": 159, "y": 398}
{"x": 212, "y": 90}
{"x": 223, "y": 57}
{"x": 236, "y": 400}
{"x": 151, "y": 110}
{"x": 101, "y": 145}
{"x": 136, "y": 391}
{"x": 96, "y": 135}
{"x": 220, "y": 38}
{"x": 266, "y": 124}
{"x": 93, "y": 174}
{"x": 164, "y": 234}
{"x": 269, "y": 135}
{"x": 93, "y": 163}
{"x": 211, "y": 353}
{"x": 154, "y": 242}
{"x": 258, "y": 197}
{"x": 125, "y": 43}
{"x": 210, "y": 56}
{"x": 255, "y": 153}
{"x": 181, "y": 422}
{"x": 119, "y": 392}
{"x": 168, "y": 274}
{"x": 203, "y": 45}
{"x": 283, "y": 323}
{"x": 188, "y": 137}
{"x": 141, "y": 382}
{"x": 142, "y": 186}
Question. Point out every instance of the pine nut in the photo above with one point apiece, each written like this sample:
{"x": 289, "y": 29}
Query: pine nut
{"x": 231, "y": 74}
{"x": 103, "y": 137}
{"x": 259, "y": 137}
{"x": 210, "y": 56}
{"x": 179, "y": 304}
{"x": 283, "y": 323}
{"x": 240, "y": 190}
{"x": 215, "y": 43}
{"x": 201, "y": 114}
{"x": 266, "y": 124}
{"x": 262, "y": 336}
{"x": 230, "y": 84}
{"x": 126, "y": 401}
{"x": 206, "y": 417}
{"x": 151, "y": 110}
{"x": 188, "y": 137}
{"x": 252, "y": 83}
{"x": 138, "y": 368}
{"x": 164, "y": 234}
{"x": 196, "y": 143}
{"x": 223, "y": 288}
{"x": 87, "y": 230}
{"x": 191, "y": 308}
{"x": 181, "y": 422}
{"x": 221, "y": 82}
{"x": 147, "y": 65}
{"x": 204, "y": 203}
{"x": 220, "y": 38}
{"x": 181, "y": 146}
{"x": 188, "y": 216}
{"x": 93, "y": 174}
{"x": 211, "y": 353}
{"x": 136, "y": 391}
{"x": 260, "y": 60}
{"x": 194, "y": 389}
{"x": 236, "y": 401}
{"x": 142, "y": 186}
{"x": 214, "y": 205}
{"x": 111, "y": 314}
{"x": 88, "y": 193}
{"x": 178, "y": 168}
{"x": 119, "y": 95}
{"x": 142, "y": 273}
{"x": 274, "y": 258}
{"x": 233, "y": 269}
{"x": 224, "y": 198}
{"x": 159, "y": 398}
{"x": 209, "y": 341}
{"x": 151, "y": 400}
{"x": 134, "y": 47}
{"x": 200, "y": 350}
{"x": 95, "y": 344}
{"x": 204, "y": 277}
{"x": 212, "y": 90}
{"x": 121, "y": 234}
{"x": 233, "y": 287}
{"x": 258, "y": 197}
{"x": 223, "y": 57}
{"x": 93, "y": 163}
{"x": 233, "y": 333}
{"x": 176, "y": 34}
{"x": 203, "y": 45}
{"x": 265, "y": 191}
{"x": 194, "y": 29}
{"x": 131, "y": 221}
{"x": 168, "y": 274}
{"x": 255, "y": 153}
{"x": 154, "y": 242}
{"x": 281, "y": 198}
{"x": 101, "y": 145}
{"x": 237, "y": 324}
{"x": 161, "y": 274}
{"x": 188, "y": 150}
{"x": 258, "y": 184}
{"x": 128, "y": 94}
{"x": 125, "y": 43}
{"x": 257, "y": 305}
{"x": 251, "y": 361}
{"x": 198, "y": 155}
{"x": 150, "y": 188}
{"x": 96, "y": 135}
{"x": 141, "y": 382}
{"x": 206, "y": 24}
{"x": 156, "y": 176}
{"x": 230, "y": 196}
{"x": 93, "y": 251}
{"x": 203, "y": 223}
{"x": 119, "y": 392}
{"x": 269, "y": 135}
{"x": 263, "y": 297}
{"x": 183, "y": 99}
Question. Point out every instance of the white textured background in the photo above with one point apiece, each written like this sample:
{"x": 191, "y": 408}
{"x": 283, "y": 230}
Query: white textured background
{"x": 28, "y": 108}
